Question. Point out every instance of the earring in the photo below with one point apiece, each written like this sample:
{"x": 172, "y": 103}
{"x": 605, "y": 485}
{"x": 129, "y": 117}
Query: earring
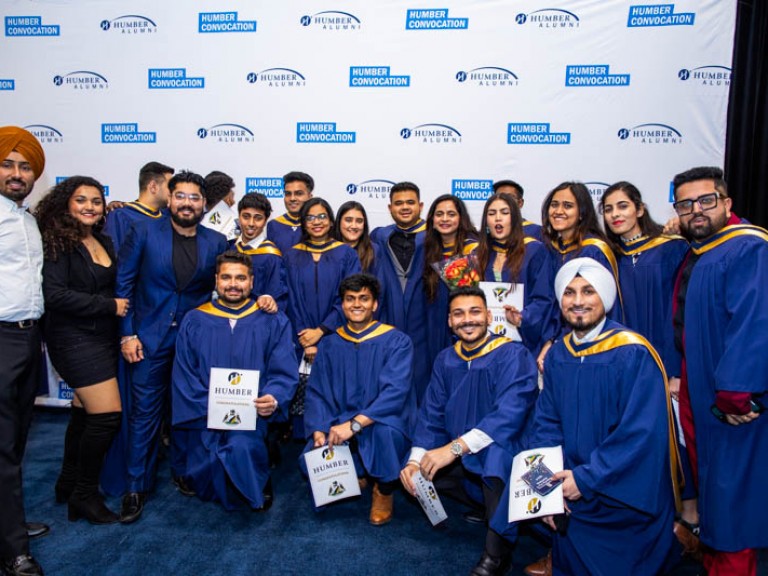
{"x": 487, "y": 229}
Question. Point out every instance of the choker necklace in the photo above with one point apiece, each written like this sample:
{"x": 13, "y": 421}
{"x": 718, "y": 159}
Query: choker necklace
{"x": 630, "y": 240}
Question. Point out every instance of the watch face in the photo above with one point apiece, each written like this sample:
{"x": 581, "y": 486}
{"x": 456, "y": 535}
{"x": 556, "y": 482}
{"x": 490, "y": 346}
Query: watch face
{"x": 456, "y": 449}
{"x": 356, "y": 426}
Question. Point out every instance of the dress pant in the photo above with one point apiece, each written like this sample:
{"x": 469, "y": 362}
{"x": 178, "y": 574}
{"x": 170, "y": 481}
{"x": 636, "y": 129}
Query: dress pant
{"x": 20, "y": 359}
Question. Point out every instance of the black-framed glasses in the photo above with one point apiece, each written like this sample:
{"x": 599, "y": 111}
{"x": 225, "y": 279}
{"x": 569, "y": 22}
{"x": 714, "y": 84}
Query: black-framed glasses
{"x": 705, "y": 202}
{"x": 312, "y": 217}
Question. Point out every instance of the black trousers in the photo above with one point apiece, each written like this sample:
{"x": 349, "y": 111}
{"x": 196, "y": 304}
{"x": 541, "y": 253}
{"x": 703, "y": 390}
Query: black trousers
{"x": 20, "y": 362}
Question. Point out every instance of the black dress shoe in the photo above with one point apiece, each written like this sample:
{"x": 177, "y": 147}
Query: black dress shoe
{"x": 92, "y": 508}
{"x": 63, "y": 493}
{"x": 182, "y": 485}
{"x": 489, "y": 566}
{"x": 133, "y": 506}
{"x": 269, "y": 496}
{"x": 23, "y": 565}
{"x": 37, "y": 529}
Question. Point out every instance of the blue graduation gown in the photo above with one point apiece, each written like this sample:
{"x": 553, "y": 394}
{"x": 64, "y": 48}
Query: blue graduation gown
{"x": 269, "y": 275}
{"x": 726, "y": 344}
{"x": 366, "y": 373}
{"x": 540, "y": 310}
{"x": 284, "y": 231}
{"x": 599, "y": 251}
{"x": 647, "y": 272}
{"x": 532, "y": 230}
{"x": 313, "y": 287}
{"x": 440, "y": 335}
{"x": 119, "y": 222}
{"x": 257, "y": 341}
{"x": 492, "y": 389}
{"x": 405, "y": 307}
{"x": 605, "y": 402}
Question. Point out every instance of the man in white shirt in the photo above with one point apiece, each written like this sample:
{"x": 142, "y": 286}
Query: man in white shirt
{"x": 21, "y": 305}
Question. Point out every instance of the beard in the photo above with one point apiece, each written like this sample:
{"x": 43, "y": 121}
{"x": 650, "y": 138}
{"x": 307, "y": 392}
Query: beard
{"x": 16, "y": 195}
{"x": 186, "y": 221}
{"x": 713, "y": 224}
{"x": 233, "y": 300}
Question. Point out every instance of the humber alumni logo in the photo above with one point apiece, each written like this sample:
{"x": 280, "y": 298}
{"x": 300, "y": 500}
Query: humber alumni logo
{"x": 472, "y": 189}
{"x": 332, "y": 21}
{"x": 651, "y": 133}
{"x": 432, "y": 134}
{"x": 226, "y": 133}
{"x": 277, "y": 78}
{"x": 29, "y": 26}
{"x": 45, "y": 134}
{"x": 82, "y": 80}
{"x": 596, "y": 190}
{"x": 271, "y": 187}
{"x": 551, "y": 18}
{"x": 489, "y": 77}
{"x": 371, "y": 189}
{"x": 130, "y": 24}
{"x": 707, "y": 75}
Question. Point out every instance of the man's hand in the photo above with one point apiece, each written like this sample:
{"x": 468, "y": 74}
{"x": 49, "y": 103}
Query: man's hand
{"x": 122, "y": 306}
{"x": 570, "y": 489}
{"x": 674, "y": 387}
{"x": 114, "y": 205}
{"x": 339, "y": 434}
{"x": 265, "y": 405}
{"x": 738, "y": 419}
{"x": 267, "y": 303}
{"x": 439, "y": 458}
{"x": 672, "y": 226}
{"x": 319, "y": 439}
{"x": 543, "y": 354}
{"x": 309, "y": 354}
{"x": 132, "y": 350}
{"x": 406, "y": 477}
{"x": 310, "y": 336}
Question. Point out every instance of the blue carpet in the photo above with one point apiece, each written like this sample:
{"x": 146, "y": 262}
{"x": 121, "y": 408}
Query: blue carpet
{"x": 180, "y": 535}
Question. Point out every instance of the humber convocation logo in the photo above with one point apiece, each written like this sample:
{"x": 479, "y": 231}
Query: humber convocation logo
{"x": 593, "y": 75}
{"x": 432, "y": 134}
{"x": 277, "y": 78}
{"x": 649, "y": 15}
{"x": 376, "y": 77}
{"x": 173, "y": 79}
{"x": 372, "y": 189}
{"x": 535, "y": 133}
{"x": 489, "y": 77}
{"x": 433, "y": 19}
{"x": 82, "y": 80}
{"x": 332, "y": 21}
{"x": 226, "y": 133}
{"x": 551, "y": 18}
{"x": 218, "y": 22}
{"x": 322, "y": 133}
{"x": 271, "y": 187}
{"x": 707, "y": 75}
{"x": 45, "y": 134}
{"x": 472, "y": 189}
{"x": 7, "y": 84}
{"x": 130, "y": 24}
{"x": 651, "y": 134}
{"x": 126, "y": 133}
{"x": 29, "y": 26}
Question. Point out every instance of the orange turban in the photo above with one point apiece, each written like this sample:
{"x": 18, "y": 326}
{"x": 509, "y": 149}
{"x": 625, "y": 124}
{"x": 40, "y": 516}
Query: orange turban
{"x": 15, "y": 138}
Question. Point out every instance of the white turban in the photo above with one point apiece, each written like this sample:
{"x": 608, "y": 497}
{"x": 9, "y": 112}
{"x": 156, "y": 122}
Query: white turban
{"x": 594, "y": 273}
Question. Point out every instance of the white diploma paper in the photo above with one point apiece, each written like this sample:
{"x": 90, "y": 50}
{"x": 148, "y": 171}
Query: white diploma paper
{"x": 231, "y": 393}
{"x": 524, "y": 502}
{"x": 332, "y": 474}
{"x": 428, "y": 498}
{"x": 499, "y": 294}
{"x": 222, "y": 219}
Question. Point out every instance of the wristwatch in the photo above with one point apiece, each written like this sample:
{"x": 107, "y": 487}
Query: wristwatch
{"x": 456, "y": 449}
{"x": 355, "y": 425}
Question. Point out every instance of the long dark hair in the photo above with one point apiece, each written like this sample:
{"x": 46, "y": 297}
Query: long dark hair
{"x": 588, "y": 223}
{"x": 433, "y": 242}
{"x": 515, "y": 244}
{"x": 648, "y": 226}
{"x": 364, "y": 247}
{"x": 61, "y": 232}
{"x": 305, "y": 211}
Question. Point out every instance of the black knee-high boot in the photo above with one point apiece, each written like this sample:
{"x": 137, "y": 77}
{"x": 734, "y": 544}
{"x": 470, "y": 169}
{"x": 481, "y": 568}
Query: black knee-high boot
{"x": 68, "y": 475}
{"x": 86, "y": 500}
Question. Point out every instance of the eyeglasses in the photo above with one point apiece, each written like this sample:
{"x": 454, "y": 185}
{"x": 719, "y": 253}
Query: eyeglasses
{"x": 312, "y": 217}
{"x": 705, "y": 202}
{"x": 181, "y": 196}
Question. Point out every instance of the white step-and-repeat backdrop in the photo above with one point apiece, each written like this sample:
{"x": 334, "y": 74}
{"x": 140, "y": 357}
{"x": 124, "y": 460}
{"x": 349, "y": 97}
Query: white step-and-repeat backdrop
{"x": 449, "y": 94}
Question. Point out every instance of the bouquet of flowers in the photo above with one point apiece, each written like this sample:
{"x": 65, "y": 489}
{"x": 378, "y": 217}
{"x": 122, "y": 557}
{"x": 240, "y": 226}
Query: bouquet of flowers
{"x": 458, "y": 271}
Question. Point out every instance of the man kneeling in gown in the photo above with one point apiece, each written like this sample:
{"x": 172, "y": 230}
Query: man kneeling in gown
{"x": 231, "y": 332}
{"x": 360, "y": 392}
{"x": 605, "y": 402}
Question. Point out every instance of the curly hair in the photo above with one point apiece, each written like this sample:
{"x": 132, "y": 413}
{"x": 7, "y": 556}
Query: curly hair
{"x": 61, "y": 232}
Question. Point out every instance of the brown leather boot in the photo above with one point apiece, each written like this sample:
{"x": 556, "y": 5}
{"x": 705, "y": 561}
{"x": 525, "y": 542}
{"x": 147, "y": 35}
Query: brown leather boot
{"x": 381, "y": 507}
{"x": 542, "y": 566}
